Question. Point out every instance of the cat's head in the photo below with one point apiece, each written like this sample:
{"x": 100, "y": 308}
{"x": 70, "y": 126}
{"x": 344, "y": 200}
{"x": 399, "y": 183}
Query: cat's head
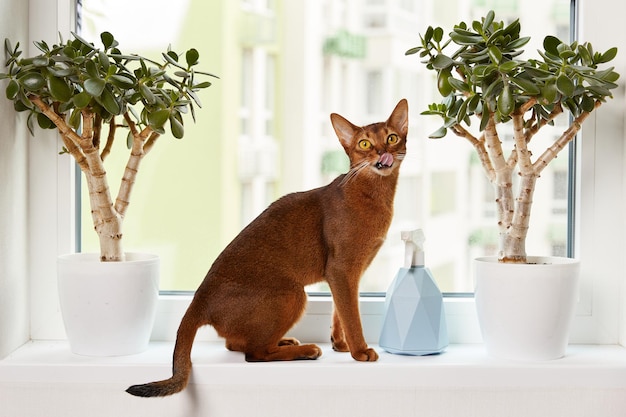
{"x": 377, "y": 148}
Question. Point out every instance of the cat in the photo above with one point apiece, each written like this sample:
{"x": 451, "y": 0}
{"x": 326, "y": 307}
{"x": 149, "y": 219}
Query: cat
{"x": 254, "y": 291}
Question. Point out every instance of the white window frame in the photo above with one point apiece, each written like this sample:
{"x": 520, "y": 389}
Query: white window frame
{"x": 600, "y": 208}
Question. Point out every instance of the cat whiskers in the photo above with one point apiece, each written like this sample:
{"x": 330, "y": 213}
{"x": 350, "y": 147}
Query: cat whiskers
{"x": 354, "y": 171}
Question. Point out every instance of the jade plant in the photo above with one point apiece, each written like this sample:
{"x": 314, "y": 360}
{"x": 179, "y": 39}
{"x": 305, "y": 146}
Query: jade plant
{"x": 481, "y": 77}
{"x": 91, "y": 95}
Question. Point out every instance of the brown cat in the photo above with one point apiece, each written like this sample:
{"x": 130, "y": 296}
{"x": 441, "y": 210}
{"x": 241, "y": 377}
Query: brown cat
{"x": 254, "y": 292}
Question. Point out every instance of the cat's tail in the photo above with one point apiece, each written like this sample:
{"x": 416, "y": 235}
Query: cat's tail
{"x": 181, "y": 368}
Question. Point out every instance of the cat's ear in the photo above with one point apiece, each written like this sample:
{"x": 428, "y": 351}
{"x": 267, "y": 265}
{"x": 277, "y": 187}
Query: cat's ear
{"x": 399, "y": 119}
{"x": 344, "y": 129}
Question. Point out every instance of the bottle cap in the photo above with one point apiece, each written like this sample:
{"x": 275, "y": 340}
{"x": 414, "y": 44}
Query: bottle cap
{"x": 414, "y": 248}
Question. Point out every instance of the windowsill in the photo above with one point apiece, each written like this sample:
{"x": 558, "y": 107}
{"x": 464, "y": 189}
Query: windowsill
{"x": 459, "y": 365}
{"x": 588, "y": 375}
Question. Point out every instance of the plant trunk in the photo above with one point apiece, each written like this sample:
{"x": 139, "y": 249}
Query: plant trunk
{"x": 107, "y": 223}
{"x": 106, "y": 220}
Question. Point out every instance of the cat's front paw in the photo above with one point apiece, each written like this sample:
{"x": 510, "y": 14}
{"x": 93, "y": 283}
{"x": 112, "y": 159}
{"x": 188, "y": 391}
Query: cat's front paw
{"x": 339, "y": 345}
{"x": 367, "y": 355}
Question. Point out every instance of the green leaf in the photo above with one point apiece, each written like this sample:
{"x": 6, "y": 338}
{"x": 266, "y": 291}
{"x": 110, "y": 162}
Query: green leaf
{"x": 587, "y": 103}
{"x": 26, "y": 103}
{"x": 107, "y": 39}
{"x": 492, "y": 89}
{"x": 599, "y": 91}
{"x": 81, "y": 100}
{"x": 439, "y": 133}
{"x": 204, "y": 84}
{"x": 512, "y": 29}
{"x": 12, "y": 89}
{"x": 549, "y": 92}
{"x": 74, "y": 120}
{"x": 177, "y": 128}
{"x": 59, "y": 89}
{"x": 488, "y": 20}
{"x": 428, "y": 35}
{"x": 94, "y": 86}
{"x": 551, "y": 45}
{"x": 443, "y": 84}
{"x": 84, "y": 42}
{"x": 565, "y": 85}
{"x": 608, "y": 55}
{"x": 157, "y": 119}
{"x": 147, "y": 94}
{"x": 91, "y": 68}
{"x": 462, "y": 114}
{"x": 527, "y": 86}
{"x": 41, "y": 61}
{"x": 494, "y": 54}
{"x": 44, "y": 122}
{"x": 459, "y": 85}
{"x": 484, "y": 120}
{"x": 506, "y": 101}
{"x": 122, "y": 81}
{"x": 437, "y": 34}
{"x": 104, "y": 61}
{"x": 8, "y": 47}
{"x": 413, "y": 50}
{"x": 169, "y": 57}
{"x": 518, "y": 43}
{"x": 585, "y": 55}
{"x": 30, "y": 124}
{"x": 108, "y": 101}
{"x": 462, "y": 37}
{"x": 19, "y": 106}
{"x": 507, "y": 66}
{"x": 32, "y": 81}
{"x": 192, "y": 57}
{"x": 442, "y": 61}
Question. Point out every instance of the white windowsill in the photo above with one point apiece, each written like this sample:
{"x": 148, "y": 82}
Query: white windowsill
{"x": 460, "y": 365}
{"x": 591, "y": 378}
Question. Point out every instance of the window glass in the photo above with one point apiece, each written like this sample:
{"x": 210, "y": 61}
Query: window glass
{"x": 264, "y": 128}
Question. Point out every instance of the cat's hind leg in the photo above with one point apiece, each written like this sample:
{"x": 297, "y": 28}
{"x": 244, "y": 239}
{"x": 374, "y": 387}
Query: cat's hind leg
{"x": 257, "y": 328}
{"x": 239, "y": 346}
{"x": 284, "y": 353}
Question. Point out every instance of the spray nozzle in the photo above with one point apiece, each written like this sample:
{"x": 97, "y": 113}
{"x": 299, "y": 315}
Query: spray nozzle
{"x": 414, "y": 248}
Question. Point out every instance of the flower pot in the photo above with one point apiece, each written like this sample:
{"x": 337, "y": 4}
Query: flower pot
{"x": 108, "y": 308}
{"x": 525, "y": 310}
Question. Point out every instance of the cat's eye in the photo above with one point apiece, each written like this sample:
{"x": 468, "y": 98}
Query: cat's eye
{"x": 365, "y": 144}
{"x": 392, "y": 139}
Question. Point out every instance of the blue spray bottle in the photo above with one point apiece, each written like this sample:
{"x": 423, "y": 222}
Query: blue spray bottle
{"x": 415, "y": 321}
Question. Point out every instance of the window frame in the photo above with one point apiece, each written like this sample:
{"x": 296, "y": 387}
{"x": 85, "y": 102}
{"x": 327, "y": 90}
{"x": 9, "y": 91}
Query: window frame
{"x": 601, "y": 315}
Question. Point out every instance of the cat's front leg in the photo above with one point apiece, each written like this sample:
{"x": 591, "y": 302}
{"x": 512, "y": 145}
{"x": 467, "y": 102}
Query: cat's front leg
{"x": 346, "y": 315}
{"x": 337, "y": 337}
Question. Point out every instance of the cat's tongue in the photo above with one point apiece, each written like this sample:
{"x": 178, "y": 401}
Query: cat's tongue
{"x": 386, "y": 160}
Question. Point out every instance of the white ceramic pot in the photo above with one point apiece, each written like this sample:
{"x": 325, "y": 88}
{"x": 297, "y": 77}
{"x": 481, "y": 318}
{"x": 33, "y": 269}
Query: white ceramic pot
{"x": 108, "y": 308}
{"x": 525, "y": 310}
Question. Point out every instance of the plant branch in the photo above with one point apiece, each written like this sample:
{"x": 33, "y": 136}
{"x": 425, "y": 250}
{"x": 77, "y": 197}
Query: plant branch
{"x": 567, "y": 136}
{"x": 132, "y": 166}
{"x": 521, "y": 148}
{"x": 110, "y": 137}
{"x": 97, "y": 129}
{"x": 502, "y": 182}
{"x": 59, "y": 122}
{"x": 531, "y": 131}
{"x": 147, "y": 147}
{"x": 479, "y": 146}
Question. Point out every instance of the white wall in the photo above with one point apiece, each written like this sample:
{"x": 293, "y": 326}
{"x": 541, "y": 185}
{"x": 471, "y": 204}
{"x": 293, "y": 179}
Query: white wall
{"x": 33, "y": 207}
{"x": 14, "y": 306}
